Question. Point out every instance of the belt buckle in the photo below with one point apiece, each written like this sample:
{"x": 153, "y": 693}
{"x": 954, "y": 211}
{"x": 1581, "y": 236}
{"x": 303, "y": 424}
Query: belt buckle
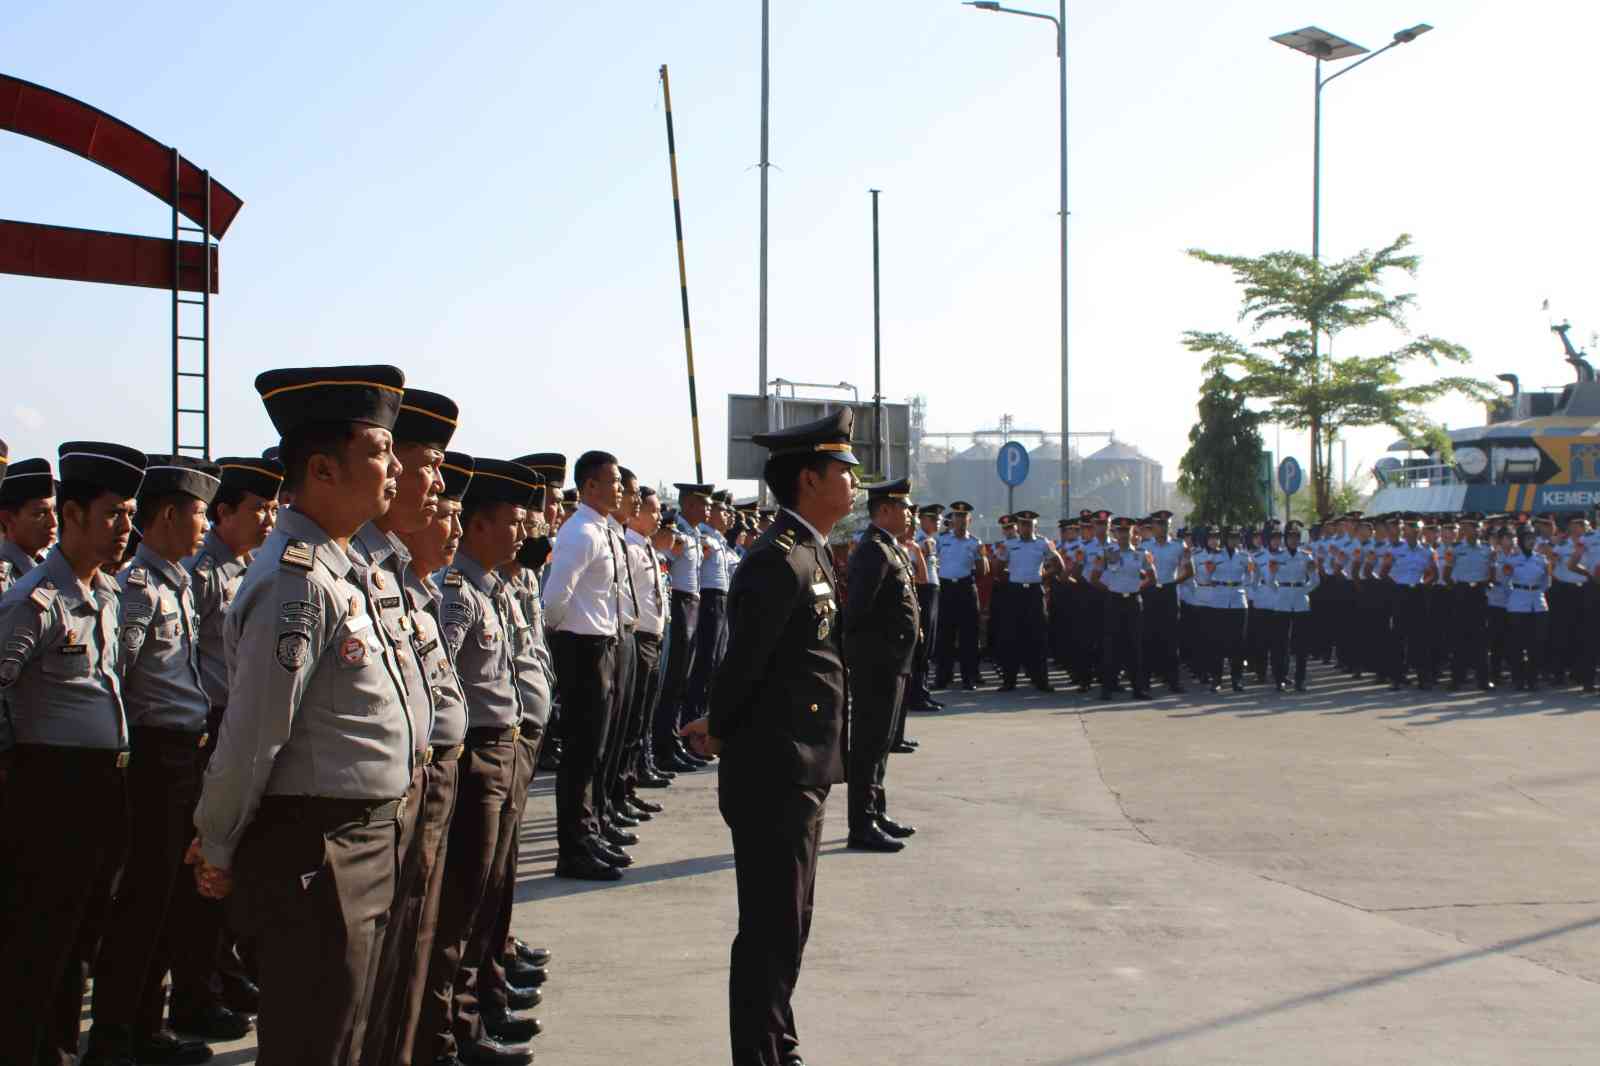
{"x": 400, "y": 809}
{"x": 203, "y": 738}
{"x": 425, "y": 756}
{"x": 516, "y": 731}
{"x": 123, "y": 759}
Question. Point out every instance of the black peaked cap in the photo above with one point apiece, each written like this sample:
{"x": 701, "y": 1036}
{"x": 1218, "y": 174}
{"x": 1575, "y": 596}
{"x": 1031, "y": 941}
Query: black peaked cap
{"x": 426, "y": 418}
{"x": 296, "y": 396}
{"x": 891, "y": 490}
{"x": 828, "y": 435}
{"x": 165, "y": 474}
{"x": 113, "y": 467}
{"x": 457, "y": 470}
{"x": 26, "y": 479}
{"x": 552, "y": 466}
{"x": 499, "y": 481}
{"x": 264, "y": 477}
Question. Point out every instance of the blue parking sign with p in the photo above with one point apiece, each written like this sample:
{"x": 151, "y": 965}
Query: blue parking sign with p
{"x": 1012, "y": 464}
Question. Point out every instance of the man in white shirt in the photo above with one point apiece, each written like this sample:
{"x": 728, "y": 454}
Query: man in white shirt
{"x": 583, "y": 618}
{"x": 644, "y": 541}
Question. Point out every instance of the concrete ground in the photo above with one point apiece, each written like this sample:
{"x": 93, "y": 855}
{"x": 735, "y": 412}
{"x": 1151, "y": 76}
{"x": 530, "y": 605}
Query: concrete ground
{"x": 1345, "y": 876}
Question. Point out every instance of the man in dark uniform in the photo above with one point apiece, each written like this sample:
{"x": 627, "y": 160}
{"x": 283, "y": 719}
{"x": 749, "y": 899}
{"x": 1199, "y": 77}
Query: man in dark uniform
{"x": 61, "y": 679}
{"x": 778, "y": 709}
{"x": 298, "y": 815}
{"x": 880, "y": 639}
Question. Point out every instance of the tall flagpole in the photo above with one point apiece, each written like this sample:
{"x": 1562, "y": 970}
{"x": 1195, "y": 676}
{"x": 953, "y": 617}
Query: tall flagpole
{"x": 683, "y": 277}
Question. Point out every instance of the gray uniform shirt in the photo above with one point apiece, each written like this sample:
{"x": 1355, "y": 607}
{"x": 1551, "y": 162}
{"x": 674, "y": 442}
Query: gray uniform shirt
{"x": 14, "y": 564}
{"x": 449, "y": 704}
{"x": 58, "y": 667}
{"x": 475, "y": 606}
{"x": 160, "y": 663}
{"x": 216, "y": 574}
{"x": 315, "y": 705}
{"x": 389, "y": 560}
{"x": 534, "y": 667}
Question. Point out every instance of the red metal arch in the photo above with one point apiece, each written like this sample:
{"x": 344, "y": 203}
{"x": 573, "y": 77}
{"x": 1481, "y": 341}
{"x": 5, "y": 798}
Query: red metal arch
{"x": 58, "y": 119}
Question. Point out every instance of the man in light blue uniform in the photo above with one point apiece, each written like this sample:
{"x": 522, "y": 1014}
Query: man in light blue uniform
{"x": 686, "y": 554}
{"x": 1466, "y": 578}
{"x": 961, "y": 561}
{"x": 711, "y": 631}
{"x": 1410, "y": 567}
{"x": 1528, "y": 578}
{"x": 1123, "y": 573}
{"x": 927, "y": 541}
{"x": 1028, "y": 557}
{"x": 1161, "y": 602}
{"x": 1291, "y": 577}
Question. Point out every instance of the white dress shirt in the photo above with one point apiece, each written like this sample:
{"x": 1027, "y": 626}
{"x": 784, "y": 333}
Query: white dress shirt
{"x": 648, "y": 583}
{"x": 581, "y": 593}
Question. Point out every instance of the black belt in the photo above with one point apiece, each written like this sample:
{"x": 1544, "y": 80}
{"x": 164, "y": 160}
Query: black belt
{"x": 450, "y": 754}
{"x": 1229, "y": 584}
{"x": 166, "y": 735}
{"x": 492, "y": 734}
{"x": 713, "y": 592}
{"x": 1122, "y": 595}
{"x": 1468, "y": 584}
{"x": 1292, "y": 584}
{"x": 336, "y": 809}
{"x": 686, "y": 594}
{"x": 1025, "y": 584}
{"x": 955, "y": 581}
{"x": 94, "y": 758}
{"x": 1525, "y": 588}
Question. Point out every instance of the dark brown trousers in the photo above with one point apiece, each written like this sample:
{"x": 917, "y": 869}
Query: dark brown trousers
{"x": 54, "y": 864}
{"x": 313, "y": 883}
{"x": 487, "y": 770}
{"x": 494, "y": 932}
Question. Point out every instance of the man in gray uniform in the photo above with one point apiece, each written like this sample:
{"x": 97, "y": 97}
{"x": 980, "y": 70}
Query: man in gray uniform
{"x": 28, "y": 522}
{"x": 166, "y": 710}
{"x": 242, "y": 514}
{"x": 476, "y": 608}
{"x": 298, "y": 813}
{"x": 59, "y": 674}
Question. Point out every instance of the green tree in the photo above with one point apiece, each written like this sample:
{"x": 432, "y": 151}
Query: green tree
{"x": 1292, "y": 303}
{"x": 1221, "y": 470}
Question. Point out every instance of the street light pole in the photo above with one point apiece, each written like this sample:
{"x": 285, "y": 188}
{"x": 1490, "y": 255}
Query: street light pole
{"x": 1060, "y": 22}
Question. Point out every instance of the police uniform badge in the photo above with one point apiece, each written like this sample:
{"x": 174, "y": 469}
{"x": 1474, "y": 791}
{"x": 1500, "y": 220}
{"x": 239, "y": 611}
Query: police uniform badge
{"x": 293, "y": 649}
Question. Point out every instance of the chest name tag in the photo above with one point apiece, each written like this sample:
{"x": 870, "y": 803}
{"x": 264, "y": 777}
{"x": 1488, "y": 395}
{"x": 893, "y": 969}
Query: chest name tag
{"x": 73, "y": 649}
{"x": 358, "y": 623}
{"x": 389, "y": 603}
{"x": 821, "y": 590}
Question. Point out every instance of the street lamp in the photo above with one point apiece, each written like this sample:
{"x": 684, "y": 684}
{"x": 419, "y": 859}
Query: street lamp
{"x": 1060, "y": 23}
{"x": 1323, "y": 46}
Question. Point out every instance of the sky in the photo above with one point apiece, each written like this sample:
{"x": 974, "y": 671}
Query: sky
{"x": 479, "y": 194}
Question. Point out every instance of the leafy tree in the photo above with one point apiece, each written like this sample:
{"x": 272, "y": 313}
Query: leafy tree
{"x": 1221, "y": 470}
{"x": 1292, "y": 302}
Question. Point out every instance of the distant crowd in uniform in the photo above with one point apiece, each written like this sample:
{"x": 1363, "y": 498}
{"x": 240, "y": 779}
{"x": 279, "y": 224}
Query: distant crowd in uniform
{"x": 270, "y": 722}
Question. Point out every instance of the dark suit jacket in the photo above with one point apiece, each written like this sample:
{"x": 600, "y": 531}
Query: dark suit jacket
{"x": 778, "y": 700}
{"x": 881, "y": 621}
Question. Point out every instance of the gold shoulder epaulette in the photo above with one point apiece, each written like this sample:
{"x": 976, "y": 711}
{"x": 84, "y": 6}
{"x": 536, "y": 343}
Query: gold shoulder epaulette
{"x": 296, "y": 553}
{"x": 452, "y": 578}
{"x": 784, "y": 542}
{"x": 138, "y": 577}
{"x": 42, "y": 596}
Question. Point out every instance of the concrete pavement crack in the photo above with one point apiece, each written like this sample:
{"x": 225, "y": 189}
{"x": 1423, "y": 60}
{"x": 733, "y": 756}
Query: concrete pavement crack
{"x": 1488, "y": 903}
{"x": 1115, "y": 795}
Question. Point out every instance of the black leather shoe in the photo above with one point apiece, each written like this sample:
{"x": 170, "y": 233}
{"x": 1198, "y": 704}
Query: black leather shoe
{"x": 874, "y": 839}
{"x": 518, "y": 998}
{"x": 1299, "y": 686}
{"x": 526, "y": 974}
{"x": 533, "y": 956}
{"x": 969, "y": 686}
{"x": 621, "y": 817}
{"x": 902, "y": 749}
{"x": 1044, "y": 686}
{"x": 908, "y": 742}
{"x": 647, "y": 806}
{"x": 620, "y": 837}
{"x": 213, "y": 1023}
{"x": 1008, "y": 686}
{"x": 1142, "y": 694}
{"x": 895, "y": 829}
{"x": 167, "y": 1048}
{"x": 512, "y": 1028}
{"x": 609, "y": 855}
{"x": 1105, "y": 694}
{"x": 587, "y": 868}
{"x": 1176, "y": 688}
{"x": 637, "y": 814}
{"x": 491, "y": 1052}
{"x": 241, "y": 994}
{"x": 656, "y": 780}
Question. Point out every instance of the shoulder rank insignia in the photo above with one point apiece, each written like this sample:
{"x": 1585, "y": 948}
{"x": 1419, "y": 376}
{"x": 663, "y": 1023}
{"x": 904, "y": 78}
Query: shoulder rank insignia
{"x": 296, "y": 553}
{"x": 202, "y": 565}
{"x": 138, "y": 577}
{"x": 5, "y": 569}
{"x": 784, "y": 542}
{"x": 42, "y": 596}
{"x": 452, "y": 578}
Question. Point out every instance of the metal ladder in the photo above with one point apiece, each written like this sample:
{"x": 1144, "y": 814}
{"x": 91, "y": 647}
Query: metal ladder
{"x": 187, "y": 407}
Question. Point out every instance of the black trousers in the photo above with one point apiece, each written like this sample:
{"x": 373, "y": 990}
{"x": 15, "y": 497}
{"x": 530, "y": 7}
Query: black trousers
{"x": 680, "y": 663}
{"x": 1525, "y": 642}
{"x": 1161, "y": 632}
{"x": 139, "y": 941}
{"x": 1256, "y": 641}
{"x": 1370, "y": 628}
{"x": 958, "y": 626}
{"x": 1223, "y": 630}
{"x": 710, "y": 638}
{"x": 876, "y": 698}
{"x": 1565, "y": 601}
{"x": 1499, "y": 634}
{"x": 641, "y": 715}
{"x": 1025, "y": 635}
{"x": 1589, "y": 644}
{"x": 1123, "y": 641}
{"x": 1062, "y": 604}
{"x": 488, "y": 767}
{"x": 777, "y": 828}
{"x": 1002, "y": 622}
{"x": 1091, "y": 636}
{"x": 1288, "y": 633}
{"x": 617, "y": 733}
{"x": 1412, "y": 641}
{"x": 313, "y": 884}
{"x": 1469, "y": 622}
{"x": 928, "y": 605}
{"x": 53, "y": 865}
{"x": 586, "y": 673}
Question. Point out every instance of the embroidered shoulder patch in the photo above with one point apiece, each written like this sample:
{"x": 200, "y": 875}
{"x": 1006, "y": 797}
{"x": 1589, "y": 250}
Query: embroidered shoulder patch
{"x": 296, "y": 553}
{"x": 42, "y": 596}
{"x": 138, "y": 577}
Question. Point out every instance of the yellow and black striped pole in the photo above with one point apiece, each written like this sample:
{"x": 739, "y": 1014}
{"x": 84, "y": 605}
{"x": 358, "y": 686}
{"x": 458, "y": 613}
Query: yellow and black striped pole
{"x": 683, "y": 276}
